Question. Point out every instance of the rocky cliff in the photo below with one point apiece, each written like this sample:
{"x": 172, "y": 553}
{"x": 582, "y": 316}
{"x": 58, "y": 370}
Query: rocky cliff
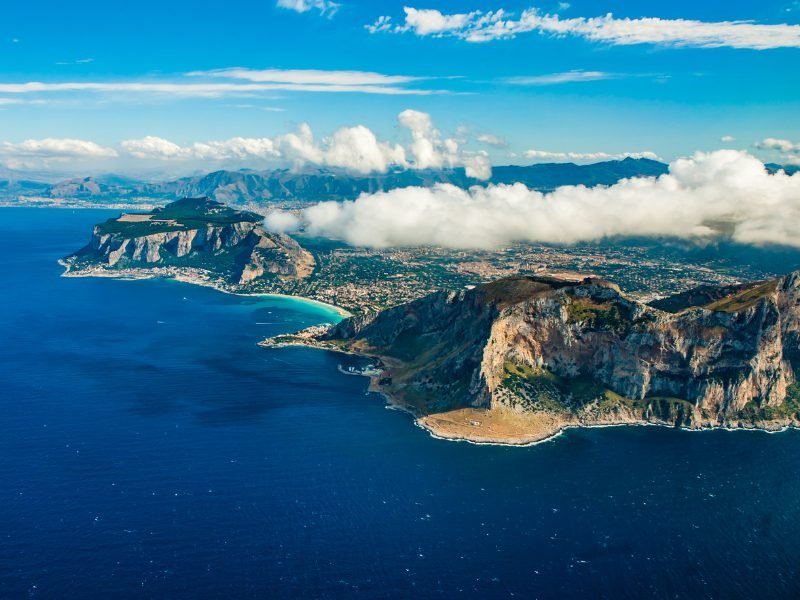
{"x": 193, "y": 233}
{"x": 522, "y": 358}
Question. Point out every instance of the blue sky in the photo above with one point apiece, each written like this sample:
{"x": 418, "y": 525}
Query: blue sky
{"x": 562, "y": 94}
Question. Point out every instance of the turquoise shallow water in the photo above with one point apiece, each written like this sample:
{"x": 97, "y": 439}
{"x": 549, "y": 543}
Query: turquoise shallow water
{"x": 149, "y": 448}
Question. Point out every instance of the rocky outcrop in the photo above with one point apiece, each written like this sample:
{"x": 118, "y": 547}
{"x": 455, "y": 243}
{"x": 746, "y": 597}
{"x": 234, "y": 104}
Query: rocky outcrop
{"x": 195, "y": 233}
{"x": 580, "y": 352}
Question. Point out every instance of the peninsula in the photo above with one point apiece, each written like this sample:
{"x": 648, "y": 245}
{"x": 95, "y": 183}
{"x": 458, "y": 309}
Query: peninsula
{"x": 194, "y": 239}
{"x": 521, "y": 359}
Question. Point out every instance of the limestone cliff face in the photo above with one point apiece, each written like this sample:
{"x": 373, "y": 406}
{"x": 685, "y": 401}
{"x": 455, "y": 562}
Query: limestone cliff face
{"x": 111, "y": 247}
{"x": 195, "y": 233}
{"x": 585, "y": 352}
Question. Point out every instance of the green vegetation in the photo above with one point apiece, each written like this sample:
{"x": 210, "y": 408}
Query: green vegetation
{"x": 788, "y": 410}
{"x": 512, "y": 290}
{"x": 744, "y": 299}
{"x": 603, "y": 316}
{"x": 186, "y": 214}
{"x": 541, "y": 389}
{"x": 670, "y": 408}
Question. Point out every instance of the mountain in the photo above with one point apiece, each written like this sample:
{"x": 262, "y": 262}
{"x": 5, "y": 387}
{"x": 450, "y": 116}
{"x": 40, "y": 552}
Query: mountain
{"x": 789, "y": 169}
{"x": 197, "y": 238}
{"x": 239, "y": 187}
{"x": 247, "y": 187}
{"x": 520, "y": 359}
{"x": 549, "y": 176}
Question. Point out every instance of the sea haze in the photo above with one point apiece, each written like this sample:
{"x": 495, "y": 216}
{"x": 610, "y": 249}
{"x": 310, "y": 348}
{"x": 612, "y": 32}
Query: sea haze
{"x": 149, "y": 448}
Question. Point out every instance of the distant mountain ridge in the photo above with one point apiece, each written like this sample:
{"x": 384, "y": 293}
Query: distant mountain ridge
{"x": 246, "y": 187}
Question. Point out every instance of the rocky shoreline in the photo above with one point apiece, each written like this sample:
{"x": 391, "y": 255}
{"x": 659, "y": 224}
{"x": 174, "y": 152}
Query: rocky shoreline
{"x": 520, "y": 361}
{"x": 482, "y": 426}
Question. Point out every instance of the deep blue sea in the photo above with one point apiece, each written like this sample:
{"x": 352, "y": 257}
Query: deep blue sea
{"x": 149, "y": 449}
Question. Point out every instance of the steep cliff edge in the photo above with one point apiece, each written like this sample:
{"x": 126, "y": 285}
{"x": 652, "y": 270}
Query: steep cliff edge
{"x": 193, "y": 235}
{"x": 520, "y": 359}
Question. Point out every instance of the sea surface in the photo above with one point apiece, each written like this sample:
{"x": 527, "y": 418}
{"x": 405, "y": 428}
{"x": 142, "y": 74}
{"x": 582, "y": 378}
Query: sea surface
{"x": 149, "y": 449}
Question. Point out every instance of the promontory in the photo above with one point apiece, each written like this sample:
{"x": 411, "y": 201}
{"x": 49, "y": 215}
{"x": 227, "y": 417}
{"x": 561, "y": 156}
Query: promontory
{"x": 519, "y": 360}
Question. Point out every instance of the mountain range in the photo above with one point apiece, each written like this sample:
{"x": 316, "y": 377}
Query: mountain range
{"x": 248, "y": 187}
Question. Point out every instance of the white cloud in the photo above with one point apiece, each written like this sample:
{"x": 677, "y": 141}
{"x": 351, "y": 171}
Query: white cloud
{"x": 155, "y": 148}
{"x": 727, "y": 139}
{"x": 699, "y": 193}
{"x": 544, "y": 155}
{"x": 779, "y": 145}
{"x": 80, "y": 61}
{"x": 10, "y": 101}
{"x": 281, "y": 221}
{"x": 325, "y": 7}
{"x": 492, "y": 140}
{"x": 42, "y": 153}
{"x": 239, "y": 81}
{"x": 306, "y": 76}
{"x": 556, "y": 78}
{"x": 208, "y": 90}
{"x": 481, "y": 26}
{"x": 786, "y": 151}
{"x": 428, "y": 21}
{"x": 356, "y": 149}
{"x": 383, "y": 23}
{"x": 430, "y": 151}
{"x": 352, "y": 148}
{"x": 238, "y": 148}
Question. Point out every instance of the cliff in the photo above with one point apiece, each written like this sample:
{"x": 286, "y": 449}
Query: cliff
{"x": 520, "y": 359}
{"x": 193, "y": 233}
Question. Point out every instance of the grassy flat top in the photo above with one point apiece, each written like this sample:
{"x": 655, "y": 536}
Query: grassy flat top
{"x": 185, "y": 214}
{"x": 728, "y": 298}
{"x": 744, "y": 299}
{"x": 512, "y": 290}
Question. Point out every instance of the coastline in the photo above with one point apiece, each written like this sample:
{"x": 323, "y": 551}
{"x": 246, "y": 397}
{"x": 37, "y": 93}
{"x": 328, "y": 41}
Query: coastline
{"x": 432, "y": 423}
{"x": 562, "y": 431}
{"x": 442, "y": 426}
{"x": 176, "y": 275}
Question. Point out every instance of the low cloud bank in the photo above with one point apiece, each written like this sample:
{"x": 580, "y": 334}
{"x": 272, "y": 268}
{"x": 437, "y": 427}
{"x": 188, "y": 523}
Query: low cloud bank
{"x": 726, "y": 191}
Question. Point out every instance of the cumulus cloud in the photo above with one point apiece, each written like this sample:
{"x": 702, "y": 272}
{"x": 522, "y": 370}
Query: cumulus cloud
{"x": 355, "y": 149}
{"x": 427, "y": 21}
{"x": 41, "y": 153}
{"x": 544, "y": 155}
{"x": 727, "y": 139}
{"x": 786, "y": 151}
{"x": 156, "y": 148}
{"x": 431, "y": 151}
{"x": 325, "y": 7}
{"x": 479, "y": 26}
{"x": 726, "y": 189}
